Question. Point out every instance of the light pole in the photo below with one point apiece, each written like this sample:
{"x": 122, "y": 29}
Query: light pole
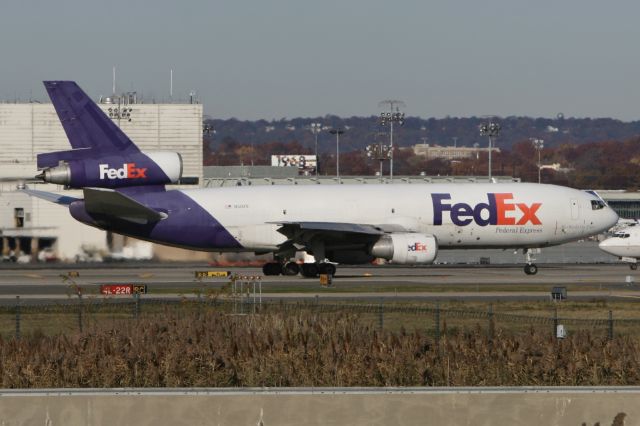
{"x": 337, "y": 132}
{"x": 378, "y": 152}
{"x": 316, "y": 128}
{"x": 391, "y": 117}
{"x": 492, "y": 130}
{"x": 538, "y": 144}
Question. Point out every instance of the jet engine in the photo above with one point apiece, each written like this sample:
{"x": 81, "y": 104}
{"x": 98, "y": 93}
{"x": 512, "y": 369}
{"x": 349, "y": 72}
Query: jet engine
{"x": 406, "y": 249}
{"x": 115, "y": 171}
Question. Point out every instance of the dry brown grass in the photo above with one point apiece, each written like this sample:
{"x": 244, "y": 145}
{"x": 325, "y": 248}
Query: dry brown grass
{"x": 180, "y": 349}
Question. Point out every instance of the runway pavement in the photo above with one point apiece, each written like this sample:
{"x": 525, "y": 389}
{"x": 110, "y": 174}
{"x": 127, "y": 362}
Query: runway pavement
{"x": 498, "y": 282}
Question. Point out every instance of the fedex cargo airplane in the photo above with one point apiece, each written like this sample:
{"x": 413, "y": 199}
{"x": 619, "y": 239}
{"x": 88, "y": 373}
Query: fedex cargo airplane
{"x": 124, "y": 192}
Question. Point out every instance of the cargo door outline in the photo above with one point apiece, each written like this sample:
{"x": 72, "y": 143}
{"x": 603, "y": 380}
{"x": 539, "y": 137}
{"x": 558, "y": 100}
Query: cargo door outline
{"x": 575, "y": 209}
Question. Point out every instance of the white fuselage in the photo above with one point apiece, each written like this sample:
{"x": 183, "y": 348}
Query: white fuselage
{"x": 518, "y": 215}
{"x": 624, "y": 243}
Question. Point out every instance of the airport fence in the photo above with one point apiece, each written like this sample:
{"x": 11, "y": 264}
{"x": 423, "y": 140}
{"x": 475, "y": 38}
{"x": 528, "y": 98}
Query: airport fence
{"x": 82, "y": 314}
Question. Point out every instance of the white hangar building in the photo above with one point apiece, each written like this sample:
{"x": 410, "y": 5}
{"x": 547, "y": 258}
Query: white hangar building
{"x": 33, "y": 226}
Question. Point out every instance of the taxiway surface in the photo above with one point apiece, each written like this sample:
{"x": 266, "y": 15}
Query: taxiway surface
{"x": 586, "y": 281}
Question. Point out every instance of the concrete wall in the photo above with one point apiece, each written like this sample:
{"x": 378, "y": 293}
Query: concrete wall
{"x": 411, "y": 406}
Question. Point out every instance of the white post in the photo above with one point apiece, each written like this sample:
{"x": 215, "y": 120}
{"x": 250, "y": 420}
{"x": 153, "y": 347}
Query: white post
{"x": 391, "y": 149}
{"x": 338, "y": 155}
{"x": 490, "y": 143}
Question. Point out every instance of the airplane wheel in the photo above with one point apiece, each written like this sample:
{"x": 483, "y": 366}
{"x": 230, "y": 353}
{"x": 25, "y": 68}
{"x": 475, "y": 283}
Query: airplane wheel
{"x": 327, "y": 268}
{"x": 272, "y": 268}
{"x": 309, "y": 270}
{"x": 633, "y": 266}
{"x": 530, "y": 269}
{"x": 290, "y": 268}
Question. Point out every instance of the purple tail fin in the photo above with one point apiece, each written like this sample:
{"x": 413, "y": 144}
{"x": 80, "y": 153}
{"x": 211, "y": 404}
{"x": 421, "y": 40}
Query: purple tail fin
{"x": 102, "y": 155}
{"x": 84, "y": 122}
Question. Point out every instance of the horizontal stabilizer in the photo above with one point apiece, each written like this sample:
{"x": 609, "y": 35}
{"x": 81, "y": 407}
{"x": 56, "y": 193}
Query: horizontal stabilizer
{"x": 52, "y": 159}
{"x": 63, "y": 200}
{"x": 110, "y": 203}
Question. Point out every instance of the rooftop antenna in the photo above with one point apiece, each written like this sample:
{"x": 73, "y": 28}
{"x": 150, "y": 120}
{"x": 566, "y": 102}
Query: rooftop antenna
{"x": 114, "y": 81}
{"x": 171, "y": 84}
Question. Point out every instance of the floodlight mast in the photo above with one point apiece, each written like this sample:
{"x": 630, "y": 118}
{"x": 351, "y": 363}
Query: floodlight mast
{"x": 390, "y": 118}
{"x": 538, "y": 144}
{"x": 316, "y": 128}
{"x": 492, "y": 130}
{"x": 378, "y": 151}
{"x": 337, "y": 132}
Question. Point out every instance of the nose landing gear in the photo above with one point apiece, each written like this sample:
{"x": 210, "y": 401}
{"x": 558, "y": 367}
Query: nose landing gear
{"x": 530, "y": 268}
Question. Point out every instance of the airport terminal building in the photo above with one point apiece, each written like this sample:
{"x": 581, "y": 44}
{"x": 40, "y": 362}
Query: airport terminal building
{"x": 37, "y": 227}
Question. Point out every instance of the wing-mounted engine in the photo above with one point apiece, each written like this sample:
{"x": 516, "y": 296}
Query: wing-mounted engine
{"x": 82, "y": 168}
{"x": 406, "y": 248}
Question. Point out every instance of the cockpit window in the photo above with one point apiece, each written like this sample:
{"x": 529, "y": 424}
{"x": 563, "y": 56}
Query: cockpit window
{"x": 597, "y": 204}
{"x": 621, "y": 235}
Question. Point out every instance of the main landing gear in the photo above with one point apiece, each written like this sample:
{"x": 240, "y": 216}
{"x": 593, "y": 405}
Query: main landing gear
{"x": 272, "y": 268}
{"x": 530, "y": 268}
{"x": 312, "y": 270}
{"x": 307, "y": 270}
{"x": 279, "y": 268}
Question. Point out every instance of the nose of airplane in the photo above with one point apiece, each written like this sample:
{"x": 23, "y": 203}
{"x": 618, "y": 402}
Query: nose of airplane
{"x": 610, "y": 246}
{"x": 614, "y": 218}
{"x": 605, "y": 244}
{"x": 611, "y": 219}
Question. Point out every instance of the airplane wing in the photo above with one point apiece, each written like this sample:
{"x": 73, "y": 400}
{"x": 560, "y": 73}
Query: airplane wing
{"x": 292, "y": 228}
{"x": 109, "y": 203}
{"x": 63, "y": 200}
{"x": 301, "y": 235}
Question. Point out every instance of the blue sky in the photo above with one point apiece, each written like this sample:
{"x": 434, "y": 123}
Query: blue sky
{"x": 287, "y": 58}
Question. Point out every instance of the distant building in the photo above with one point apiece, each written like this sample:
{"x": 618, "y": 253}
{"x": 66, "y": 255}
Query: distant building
{"x": 449, "y": 152}
{"x": 556, "y": 167}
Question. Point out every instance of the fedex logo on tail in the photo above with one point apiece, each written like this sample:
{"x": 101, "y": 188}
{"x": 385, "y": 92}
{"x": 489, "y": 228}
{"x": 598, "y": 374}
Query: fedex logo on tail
{"x": 128, "y": 171}
{"x": 498, "y": 210}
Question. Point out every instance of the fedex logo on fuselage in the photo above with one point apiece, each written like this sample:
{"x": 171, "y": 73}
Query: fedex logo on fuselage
{"x": 499, "y": 210}
{"x": 128, "y": 171}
